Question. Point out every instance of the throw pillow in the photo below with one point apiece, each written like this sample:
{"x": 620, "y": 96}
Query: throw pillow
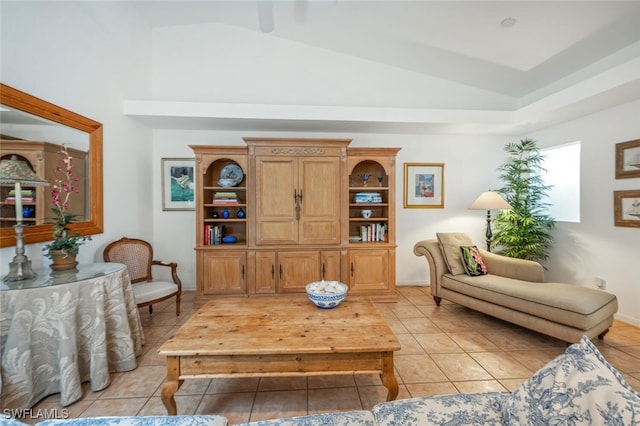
{"x": 472, "y": 261}
{"x": 450, "y": 243}
{"x": 578, "y": 387}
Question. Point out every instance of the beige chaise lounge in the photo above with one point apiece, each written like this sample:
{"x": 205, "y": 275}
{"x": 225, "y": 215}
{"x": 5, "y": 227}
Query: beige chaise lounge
{"x": 514, "y": 290}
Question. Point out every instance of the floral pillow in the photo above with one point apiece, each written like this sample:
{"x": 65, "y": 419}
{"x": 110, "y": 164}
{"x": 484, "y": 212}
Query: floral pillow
{"x": 472, "y": 261}
{"x": 579, "y": 388}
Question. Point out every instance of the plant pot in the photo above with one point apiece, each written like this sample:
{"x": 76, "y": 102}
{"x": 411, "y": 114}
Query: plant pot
{"x": 62, "y": 261}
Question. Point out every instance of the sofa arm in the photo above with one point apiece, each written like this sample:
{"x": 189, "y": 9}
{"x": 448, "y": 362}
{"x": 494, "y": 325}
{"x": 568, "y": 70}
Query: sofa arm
{"x": 430, "y": 249}
{"x": 519, "y": 269}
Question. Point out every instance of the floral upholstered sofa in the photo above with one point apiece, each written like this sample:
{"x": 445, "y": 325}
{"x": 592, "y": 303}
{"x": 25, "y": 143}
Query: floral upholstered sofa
{"x": 578, "y": 387}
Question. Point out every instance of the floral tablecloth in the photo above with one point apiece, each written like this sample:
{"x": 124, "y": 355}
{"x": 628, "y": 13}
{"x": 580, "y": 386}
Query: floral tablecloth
{"x": 57, "y": 336}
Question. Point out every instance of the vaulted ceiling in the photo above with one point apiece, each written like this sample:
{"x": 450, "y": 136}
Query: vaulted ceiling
{"x": 553, "y": 60}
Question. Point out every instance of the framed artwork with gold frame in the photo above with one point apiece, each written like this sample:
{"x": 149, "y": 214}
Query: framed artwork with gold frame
{"x": 424, "y": 185}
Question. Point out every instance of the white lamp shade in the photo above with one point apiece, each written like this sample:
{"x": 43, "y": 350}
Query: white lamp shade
{"x": 490, "y": 200}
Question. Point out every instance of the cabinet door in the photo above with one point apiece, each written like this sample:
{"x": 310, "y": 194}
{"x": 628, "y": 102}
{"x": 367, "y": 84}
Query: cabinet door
{"x": 319, "y": 184}
{"x": 276, "y": 182}
{"x": 266, "y": 272}
{"x": 296, "y": 269}
{"x": 368, "y": 270}
{"x": 225, "y": 272}
{"x": 330, "y": 265}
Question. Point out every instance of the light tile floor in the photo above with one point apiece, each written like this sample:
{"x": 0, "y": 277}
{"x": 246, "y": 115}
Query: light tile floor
{"x": 446, "y": 349}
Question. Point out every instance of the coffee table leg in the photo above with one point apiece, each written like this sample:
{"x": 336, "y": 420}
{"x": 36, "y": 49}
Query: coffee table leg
{"x": 172, "y": 385}
{"x": 388, "y": 376}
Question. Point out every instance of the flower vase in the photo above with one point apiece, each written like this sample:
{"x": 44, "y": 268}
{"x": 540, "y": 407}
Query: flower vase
{"x": 62, "y": 261}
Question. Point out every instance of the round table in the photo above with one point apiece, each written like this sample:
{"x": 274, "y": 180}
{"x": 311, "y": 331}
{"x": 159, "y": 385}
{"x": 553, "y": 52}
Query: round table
{"x": 61, "y": 329}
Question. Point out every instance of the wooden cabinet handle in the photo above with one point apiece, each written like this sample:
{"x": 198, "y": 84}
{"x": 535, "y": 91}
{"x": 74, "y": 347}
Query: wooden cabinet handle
{"x": 273, "y": 272}
{"x": 323, "y": 272}
{"x": 243, "y": 271}
{"x": 351, "y": 268}
{"x": 298, "y": 200}
{"x": 280, "y": 271}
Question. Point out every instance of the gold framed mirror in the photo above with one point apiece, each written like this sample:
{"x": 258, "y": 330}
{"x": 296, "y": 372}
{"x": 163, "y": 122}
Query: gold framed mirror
{"x": 64, "y": 120}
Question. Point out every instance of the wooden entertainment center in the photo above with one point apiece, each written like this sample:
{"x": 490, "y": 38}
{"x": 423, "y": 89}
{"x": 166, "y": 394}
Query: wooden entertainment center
{"x": 280, "y": 213}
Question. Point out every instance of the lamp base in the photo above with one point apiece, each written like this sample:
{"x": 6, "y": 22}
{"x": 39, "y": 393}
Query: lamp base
{"x": 20, "y": 270}
{"x": 488, "y": 235}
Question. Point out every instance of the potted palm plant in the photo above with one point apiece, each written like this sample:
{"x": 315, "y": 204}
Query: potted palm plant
{"x": 524, "y": 231}
{"x": 66, "y": 243}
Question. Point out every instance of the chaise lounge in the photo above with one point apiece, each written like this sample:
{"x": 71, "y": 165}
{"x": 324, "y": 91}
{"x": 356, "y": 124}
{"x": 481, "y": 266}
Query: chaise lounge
{"x": 514, "y": 290}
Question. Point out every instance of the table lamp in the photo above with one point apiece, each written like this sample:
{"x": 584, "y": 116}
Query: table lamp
{"x": 489, "y": 200}
{"x": 18, "y": 172}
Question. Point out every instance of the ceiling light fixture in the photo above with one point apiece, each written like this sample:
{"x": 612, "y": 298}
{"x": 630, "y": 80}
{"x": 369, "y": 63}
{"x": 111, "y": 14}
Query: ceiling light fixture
{"x": 508, "y": 22}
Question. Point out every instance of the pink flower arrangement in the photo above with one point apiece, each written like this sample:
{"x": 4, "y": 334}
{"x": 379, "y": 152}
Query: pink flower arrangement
{"x": 61, "y": 190}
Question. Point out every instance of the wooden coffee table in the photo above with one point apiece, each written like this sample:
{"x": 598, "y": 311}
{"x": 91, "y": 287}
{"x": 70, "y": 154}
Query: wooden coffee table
{"x": 279, "y": 336}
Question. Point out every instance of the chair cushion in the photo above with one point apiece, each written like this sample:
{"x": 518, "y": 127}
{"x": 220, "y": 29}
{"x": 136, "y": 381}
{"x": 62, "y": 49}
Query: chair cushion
{"x": 578, "y": 387}
{"x": 450, "y": 243}
{"x": 145, "y": 292}
{"x": 573, "y": 305}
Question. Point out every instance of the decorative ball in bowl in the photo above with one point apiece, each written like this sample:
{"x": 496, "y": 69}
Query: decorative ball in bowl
{"x": 326, "y": 294}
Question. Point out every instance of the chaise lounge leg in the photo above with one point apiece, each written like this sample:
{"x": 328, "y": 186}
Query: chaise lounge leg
{"x": 601, "y": 335}
{"x": 437, "y": 300}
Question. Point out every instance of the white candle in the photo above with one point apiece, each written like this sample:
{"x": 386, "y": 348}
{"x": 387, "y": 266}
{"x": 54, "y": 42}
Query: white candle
{"x": 18, "y": 190}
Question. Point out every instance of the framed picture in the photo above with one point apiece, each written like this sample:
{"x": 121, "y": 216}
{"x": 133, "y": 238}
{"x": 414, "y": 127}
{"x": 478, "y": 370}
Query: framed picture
{"x": 424, "y": 185}
{"x": 628, "y": 159}
{"x": 178, "y": 184}
{"x": 626, "y": 208}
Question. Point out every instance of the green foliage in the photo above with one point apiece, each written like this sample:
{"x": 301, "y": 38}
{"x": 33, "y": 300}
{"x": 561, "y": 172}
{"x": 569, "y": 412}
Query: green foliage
{"x": 64, "y": 239}
{"x": 523, "y": 232}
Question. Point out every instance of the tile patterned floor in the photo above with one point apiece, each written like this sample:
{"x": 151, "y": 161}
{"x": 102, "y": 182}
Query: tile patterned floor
{"x": 446, "y": 349}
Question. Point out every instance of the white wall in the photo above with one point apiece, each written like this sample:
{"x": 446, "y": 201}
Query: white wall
{"x": 214, "y": 63}
{"x": 595, "y": 247}
{"x": 221, "y": 63}
{"x": 470, "y": 164}
{"x": 87, "y": 57}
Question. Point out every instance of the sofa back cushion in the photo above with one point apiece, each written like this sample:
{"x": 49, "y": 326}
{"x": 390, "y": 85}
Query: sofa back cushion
{"x": 578, "y": 387}
{"x": 450, "y": 243}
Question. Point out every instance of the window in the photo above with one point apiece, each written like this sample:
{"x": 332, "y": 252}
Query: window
{"x": 563, "y": 174}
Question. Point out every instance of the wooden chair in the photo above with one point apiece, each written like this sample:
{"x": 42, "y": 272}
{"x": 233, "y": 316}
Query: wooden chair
{"x": 137, "y": 255}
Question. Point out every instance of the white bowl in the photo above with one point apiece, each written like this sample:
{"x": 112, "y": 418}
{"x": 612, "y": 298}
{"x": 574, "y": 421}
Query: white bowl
{"x": 326, "y": 294}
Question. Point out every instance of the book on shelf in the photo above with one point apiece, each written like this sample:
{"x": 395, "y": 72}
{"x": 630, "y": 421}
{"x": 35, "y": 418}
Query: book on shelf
{"x": 225, "y": 198}
{"x": 367, "y": 197}
{"x": 26, "y": 195}
{"x": 12, "y": 200}
{"x": 213, "y": 234}
{"x": 373, "y": 232}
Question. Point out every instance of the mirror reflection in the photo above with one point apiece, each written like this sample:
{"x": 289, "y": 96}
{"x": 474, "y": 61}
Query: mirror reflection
{"x": 39, "y": 143}
{"x": 35, "y": 131}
